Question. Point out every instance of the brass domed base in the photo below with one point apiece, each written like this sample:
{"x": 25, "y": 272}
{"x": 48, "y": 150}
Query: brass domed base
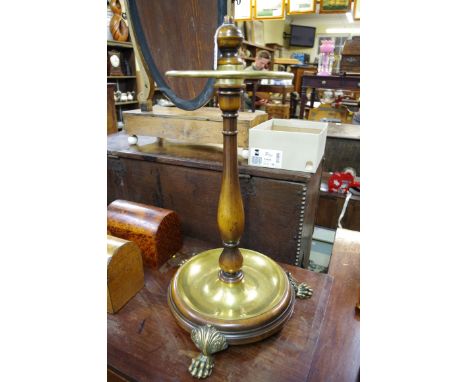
{"x": 246, "y": 311}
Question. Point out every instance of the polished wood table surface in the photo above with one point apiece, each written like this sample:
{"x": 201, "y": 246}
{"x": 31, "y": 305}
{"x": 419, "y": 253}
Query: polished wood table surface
{"x": 319, "y": 343}
{"x": 338, "y": 356}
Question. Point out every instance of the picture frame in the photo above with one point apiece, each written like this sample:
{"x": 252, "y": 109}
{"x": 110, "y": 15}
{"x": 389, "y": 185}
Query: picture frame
{"x": 357, "y": 10}
{"x": 241, "y": 26}
{"x": 269, "y": 10}
{"x": 249, "y": 31}
{"x": 258, "y": 36}
{"x": 335, "y": 6}
{"x": 300, "y": 7}
{"x": 243, "y": 10}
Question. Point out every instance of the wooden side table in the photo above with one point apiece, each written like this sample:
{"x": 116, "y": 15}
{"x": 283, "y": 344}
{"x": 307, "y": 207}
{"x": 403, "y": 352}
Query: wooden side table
{"x": 285, "y": 61}
{"x": 255, "y": 87}
{"x": 325, "y": 82}
{"x": 338, "y": 357}
{"x": 298, "y": 71}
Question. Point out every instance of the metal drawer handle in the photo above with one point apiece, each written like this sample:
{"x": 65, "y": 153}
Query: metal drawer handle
{"x": 324, "y": 82}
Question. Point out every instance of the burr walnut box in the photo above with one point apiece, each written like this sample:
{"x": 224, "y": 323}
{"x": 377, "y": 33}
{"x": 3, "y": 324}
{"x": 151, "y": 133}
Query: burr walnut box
{"x": 124, "y": 272}
{"x": 155, "y": 230}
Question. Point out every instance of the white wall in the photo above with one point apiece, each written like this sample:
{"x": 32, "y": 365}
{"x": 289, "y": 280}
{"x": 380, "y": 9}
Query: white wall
{"x": 273, "y": 31}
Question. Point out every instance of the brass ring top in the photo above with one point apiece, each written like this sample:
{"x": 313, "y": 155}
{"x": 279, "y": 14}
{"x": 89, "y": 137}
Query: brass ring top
{"x": 230, "y": 74}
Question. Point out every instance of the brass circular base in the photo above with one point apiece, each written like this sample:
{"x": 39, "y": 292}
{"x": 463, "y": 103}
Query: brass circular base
{"x": 246, "y": 311}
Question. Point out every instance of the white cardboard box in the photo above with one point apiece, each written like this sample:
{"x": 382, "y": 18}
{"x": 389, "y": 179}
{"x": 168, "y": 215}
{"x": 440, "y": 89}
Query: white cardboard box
{"x": 290, "y": 144}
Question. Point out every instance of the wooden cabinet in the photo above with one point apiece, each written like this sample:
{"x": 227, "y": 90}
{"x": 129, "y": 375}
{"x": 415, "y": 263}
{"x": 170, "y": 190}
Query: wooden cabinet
{"x": 350, "y": 57}
{"x": 279, "y": 205}
{"x": 342, "y": 153}
{"x": 330, "y": 207}
{"x": 125, "y": 82}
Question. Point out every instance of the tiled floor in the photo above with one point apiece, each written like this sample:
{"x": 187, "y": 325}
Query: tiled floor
{"x": 322, "y": 245}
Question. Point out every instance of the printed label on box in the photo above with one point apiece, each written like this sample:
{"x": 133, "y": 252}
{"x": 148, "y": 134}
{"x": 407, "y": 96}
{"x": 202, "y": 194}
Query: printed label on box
{"x": 266, "y": 158}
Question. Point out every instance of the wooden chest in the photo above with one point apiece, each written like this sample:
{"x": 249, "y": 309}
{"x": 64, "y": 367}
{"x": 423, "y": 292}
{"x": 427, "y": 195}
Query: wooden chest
{"x": 202, "y": 126}
{"x": 279, "y": 205}
{"x": 277, "y": 111}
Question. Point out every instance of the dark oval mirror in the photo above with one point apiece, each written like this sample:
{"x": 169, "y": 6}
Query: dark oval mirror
{"x": 178, "y": 35}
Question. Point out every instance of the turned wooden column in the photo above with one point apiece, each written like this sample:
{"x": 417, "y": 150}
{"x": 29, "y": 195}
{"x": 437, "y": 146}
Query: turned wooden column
{"x": 230, "y": 207}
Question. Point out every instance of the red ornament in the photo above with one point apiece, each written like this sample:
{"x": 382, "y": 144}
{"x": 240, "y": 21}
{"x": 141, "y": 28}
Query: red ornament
{"x": 341, "y": 182}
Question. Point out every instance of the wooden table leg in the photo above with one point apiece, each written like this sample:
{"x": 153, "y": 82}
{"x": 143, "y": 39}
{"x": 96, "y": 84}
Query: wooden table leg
{"x": 254, "y": 94}
{"x": 292, "y": 108}
{"x": 303, "y": 102}
{"x": 312, "y": 98}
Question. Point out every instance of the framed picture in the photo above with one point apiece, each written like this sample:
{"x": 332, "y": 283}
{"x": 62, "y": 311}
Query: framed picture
{"x": 249, "y": 31}
{"x": 243, "y": 10}
{"x": 241, "y": 26}
{"x": 357, "y": 10}
{"x": 335, "y": 6}
{"x": 297, "y": 7}
{"x": 258, "y": 32}
{"x": 269, "y": 9}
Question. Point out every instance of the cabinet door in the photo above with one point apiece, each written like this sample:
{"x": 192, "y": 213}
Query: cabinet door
{"x": 352, "y": 217}
{"x": 141, "y": 181}
{"x": 193, "y": 193}
{"x": 273, "y": 212}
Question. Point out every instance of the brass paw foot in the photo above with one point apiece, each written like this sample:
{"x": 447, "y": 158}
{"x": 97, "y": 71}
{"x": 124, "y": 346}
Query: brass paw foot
{"x": 201, "y": 366}
{"x": 209, "y": 341}
{"x": 302, "y": 290}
